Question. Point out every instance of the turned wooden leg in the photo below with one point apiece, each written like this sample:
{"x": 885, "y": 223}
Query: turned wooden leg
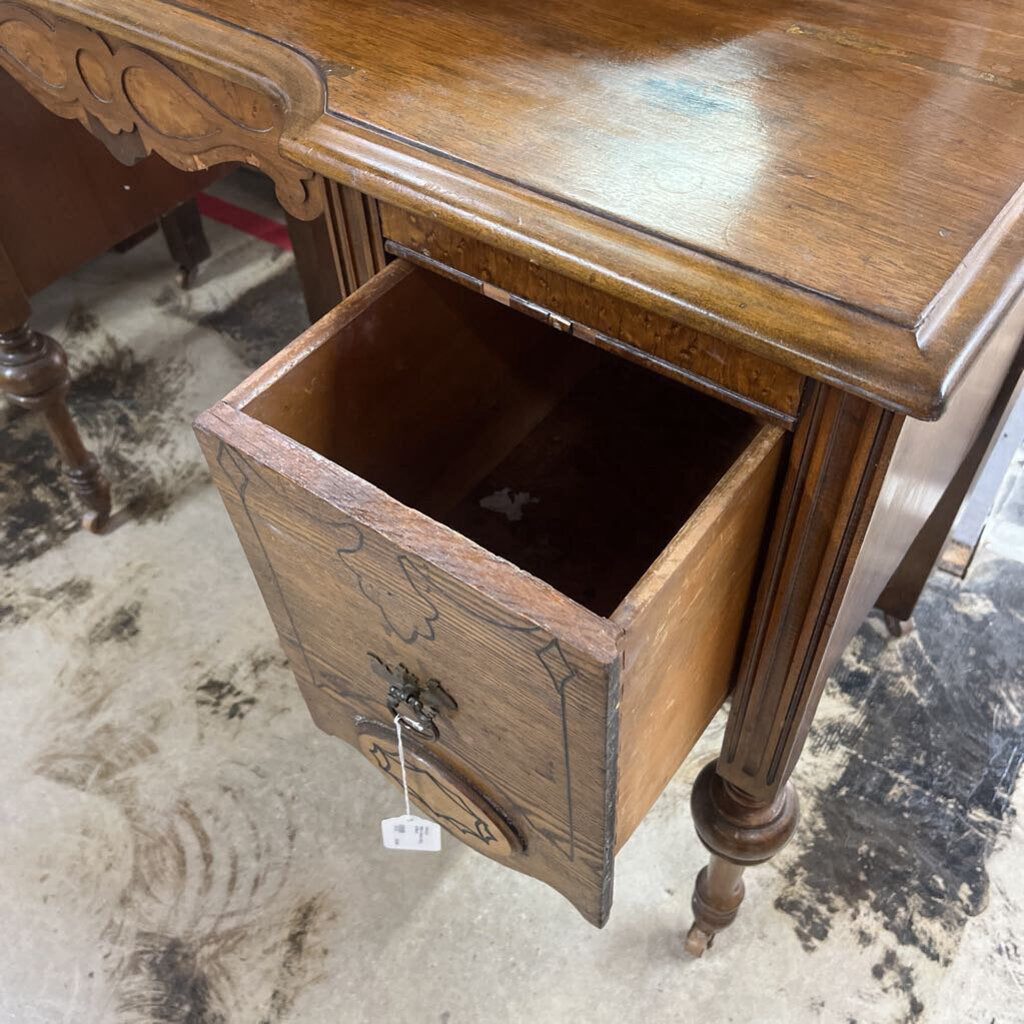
{"x": 740, "y": 831}
{"x": 744, "y": 807}
{"x": 717, "y": 895}
{"x": 34, "y": 375}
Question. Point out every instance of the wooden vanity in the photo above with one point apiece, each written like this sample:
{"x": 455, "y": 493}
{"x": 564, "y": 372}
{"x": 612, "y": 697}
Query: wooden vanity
{"x": 668, "y": 330}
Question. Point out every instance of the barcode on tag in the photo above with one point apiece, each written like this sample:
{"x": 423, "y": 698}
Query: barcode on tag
{"x": 411, "y": 833}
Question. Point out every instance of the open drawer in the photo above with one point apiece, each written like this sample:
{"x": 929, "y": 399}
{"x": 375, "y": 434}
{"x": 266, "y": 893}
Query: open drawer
{"x": 540, "y": 554}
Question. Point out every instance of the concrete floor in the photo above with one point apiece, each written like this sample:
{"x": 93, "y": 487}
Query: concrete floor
{"x": 180, "y": 844}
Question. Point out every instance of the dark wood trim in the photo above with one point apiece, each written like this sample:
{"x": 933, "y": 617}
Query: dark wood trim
{"x": 186, "y": 240}
{"x": 355, "y": 223}
{"x": 313, "y": 247}
{"x": 193, "y": 116}
{"x": 744, "y": 806}
{"x": 837, "y": 462}
{"x": 340, "y": 250}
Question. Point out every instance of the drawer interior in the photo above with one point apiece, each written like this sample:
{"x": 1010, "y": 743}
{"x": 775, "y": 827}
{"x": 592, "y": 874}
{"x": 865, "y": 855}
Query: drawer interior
{"x": 569, "y": 462}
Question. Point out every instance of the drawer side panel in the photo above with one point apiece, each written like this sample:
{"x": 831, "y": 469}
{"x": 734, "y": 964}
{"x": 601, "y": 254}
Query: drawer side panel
{"x": 682, "y": 626}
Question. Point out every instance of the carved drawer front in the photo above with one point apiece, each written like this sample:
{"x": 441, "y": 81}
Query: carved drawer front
{"x": 539, "y": 554}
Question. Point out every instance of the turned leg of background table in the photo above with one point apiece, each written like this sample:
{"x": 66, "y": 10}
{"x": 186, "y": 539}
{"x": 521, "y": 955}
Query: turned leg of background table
{"x": 34, "y": 375}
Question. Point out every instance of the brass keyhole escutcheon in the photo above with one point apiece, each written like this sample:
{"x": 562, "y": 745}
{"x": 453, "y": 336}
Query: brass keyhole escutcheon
{"x": 417, "y": 703}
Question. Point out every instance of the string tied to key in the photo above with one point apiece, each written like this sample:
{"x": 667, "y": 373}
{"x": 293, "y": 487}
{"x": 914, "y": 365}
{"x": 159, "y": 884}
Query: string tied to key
{"x": 409, "y": 832}
{"x": 401, "y": 764}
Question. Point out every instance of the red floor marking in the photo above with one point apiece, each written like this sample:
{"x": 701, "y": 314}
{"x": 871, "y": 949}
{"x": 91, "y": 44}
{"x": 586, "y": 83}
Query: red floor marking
{"x": 250, "y": 223}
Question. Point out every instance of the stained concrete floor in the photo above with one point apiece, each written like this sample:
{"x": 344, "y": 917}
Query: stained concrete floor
{"x": 180, "y": 844}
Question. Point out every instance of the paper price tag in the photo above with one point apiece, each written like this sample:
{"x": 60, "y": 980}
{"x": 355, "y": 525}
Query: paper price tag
{"x": 411, "y": 833}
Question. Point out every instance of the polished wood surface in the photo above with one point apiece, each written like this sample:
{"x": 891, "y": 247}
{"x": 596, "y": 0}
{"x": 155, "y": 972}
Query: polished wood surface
{"x": 742, "y": 129}
{"x": 744, "y": 804}
{"x": 832, "y": 184}
{"x": 835, "y": 471}
{"x": 905, "y": 585}
{"x": 739, "y": 831}
{"x": 716, "y": 900}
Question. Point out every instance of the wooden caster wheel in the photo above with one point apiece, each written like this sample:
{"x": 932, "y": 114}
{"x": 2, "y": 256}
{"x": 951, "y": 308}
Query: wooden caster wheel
{"x": 95, "y": 522}
{"x": 697, "y": 941}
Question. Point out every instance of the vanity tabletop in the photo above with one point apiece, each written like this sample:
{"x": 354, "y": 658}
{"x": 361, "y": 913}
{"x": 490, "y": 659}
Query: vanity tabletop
{"x": 836, "y": 183}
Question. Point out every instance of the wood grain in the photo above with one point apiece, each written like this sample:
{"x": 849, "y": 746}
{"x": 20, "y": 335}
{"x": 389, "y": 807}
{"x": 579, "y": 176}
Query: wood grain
{"x": 682, "y": 626}
{"x": 746, "y": 151}
{"x": 345, "y": 461}
{"x": 462, "y": 380}
{"x": 348, "y": 572}
{"x": 830, "y": 188}
{"x": 702, "y": 361}
{"x": 340, "y": 250}
{"x": 924, "y": 461}
{"x": 904, "y": 587}
{"x": 858, "y": 486}
{"x": 440, "y": 791}
{"x": 358, "y": 240}
{"x": 744, "y": 805}
{"x": 818, "y": 185}
{"x": 834, "y": 473}
{"x": 139, "y": 103}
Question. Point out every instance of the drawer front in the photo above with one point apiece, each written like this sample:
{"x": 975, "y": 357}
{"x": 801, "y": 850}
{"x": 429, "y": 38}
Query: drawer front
{"x": 355, "y": 582}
